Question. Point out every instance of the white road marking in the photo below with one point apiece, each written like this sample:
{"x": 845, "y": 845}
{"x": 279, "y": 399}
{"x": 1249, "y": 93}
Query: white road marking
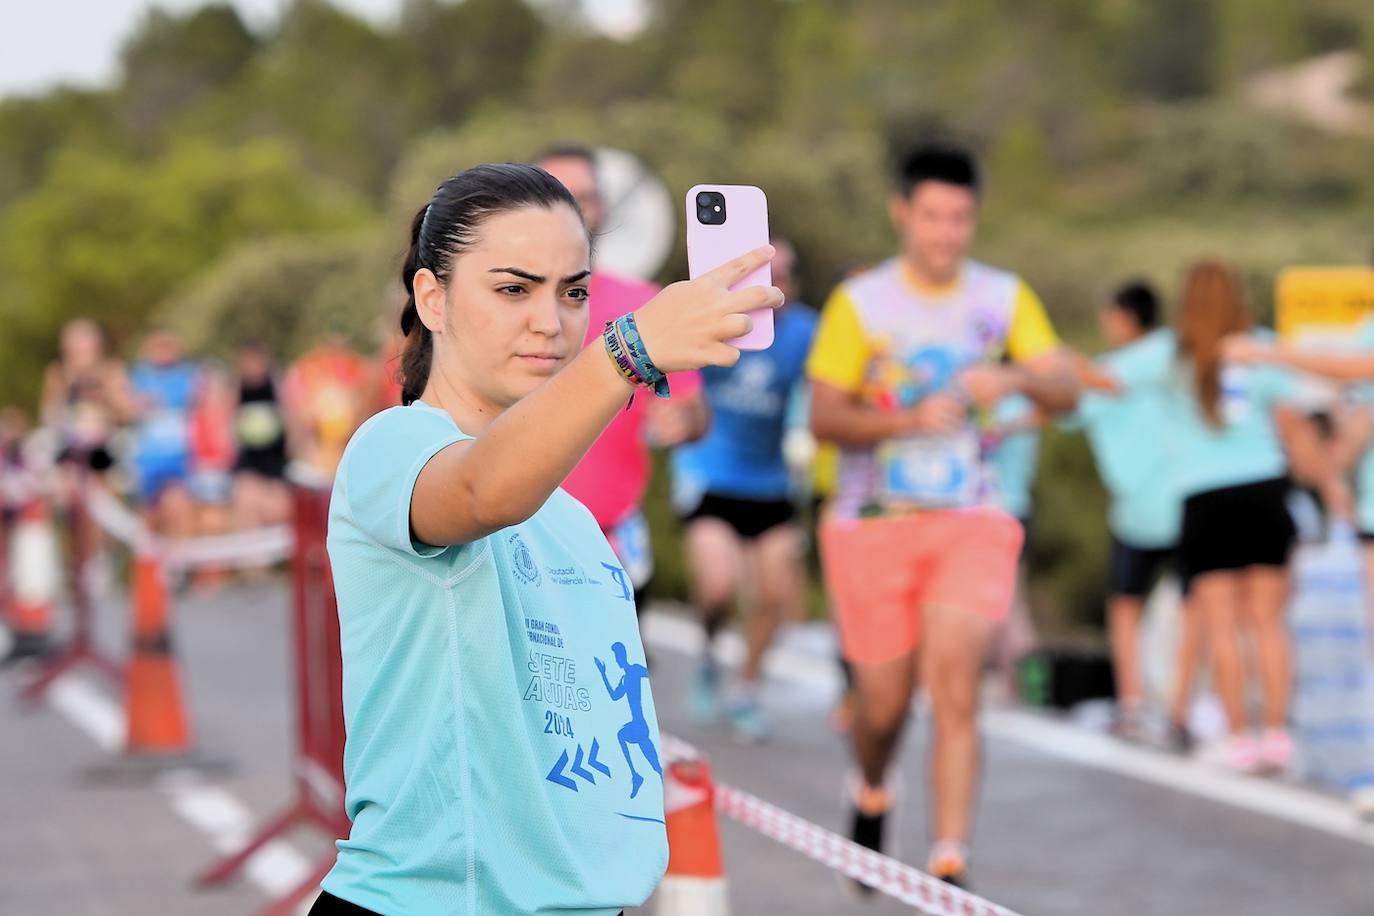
{"x": 275, "y": 869}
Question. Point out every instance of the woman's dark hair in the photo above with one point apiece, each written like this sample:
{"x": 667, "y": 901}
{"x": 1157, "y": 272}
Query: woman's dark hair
{"x": 448, "y": 226}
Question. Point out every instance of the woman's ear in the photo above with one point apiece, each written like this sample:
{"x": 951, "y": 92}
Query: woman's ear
{"x": 430, "y": 297}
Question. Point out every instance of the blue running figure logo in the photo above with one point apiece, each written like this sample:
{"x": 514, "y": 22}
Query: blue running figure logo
{"x": 618, "y": 574}
{"x": 636, "y": 731}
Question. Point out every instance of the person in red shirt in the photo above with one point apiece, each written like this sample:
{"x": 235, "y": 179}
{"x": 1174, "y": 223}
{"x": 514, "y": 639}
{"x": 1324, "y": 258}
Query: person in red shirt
{"x": 328, "y": 395}
{"x": 614, "y": 476}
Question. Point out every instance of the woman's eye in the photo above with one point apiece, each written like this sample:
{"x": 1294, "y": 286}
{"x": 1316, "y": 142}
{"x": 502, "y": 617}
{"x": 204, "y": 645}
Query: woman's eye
{"x": 512, "y": 290}
{"x": 577, "y": 292}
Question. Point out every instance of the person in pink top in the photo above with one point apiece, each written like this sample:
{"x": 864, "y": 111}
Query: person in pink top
{"x": 613, "y": 477}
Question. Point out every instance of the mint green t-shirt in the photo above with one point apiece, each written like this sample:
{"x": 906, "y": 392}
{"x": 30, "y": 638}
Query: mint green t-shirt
{"x": 1131, "y": 438}
{"x": 1014, "y": 457}
{"x": 502, "y": 752}
{"x": 1245, "y": 448}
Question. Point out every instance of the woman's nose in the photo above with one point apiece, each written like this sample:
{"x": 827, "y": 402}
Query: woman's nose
{"x": 544, "y": 316}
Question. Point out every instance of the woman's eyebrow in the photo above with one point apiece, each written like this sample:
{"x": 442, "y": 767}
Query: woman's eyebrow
{"x": 535, "y": 278}
{"x": 517, "y": 272}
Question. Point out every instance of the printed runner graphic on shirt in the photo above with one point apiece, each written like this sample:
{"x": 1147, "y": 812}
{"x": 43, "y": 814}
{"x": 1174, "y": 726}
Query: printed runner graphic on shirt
{"x": 636, "y": 731}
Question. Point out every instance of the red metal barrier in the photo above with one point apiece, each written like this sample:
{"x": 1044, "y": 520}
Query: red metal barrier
{"x": 81, "y": 649}
{"x": 318, "y": 761}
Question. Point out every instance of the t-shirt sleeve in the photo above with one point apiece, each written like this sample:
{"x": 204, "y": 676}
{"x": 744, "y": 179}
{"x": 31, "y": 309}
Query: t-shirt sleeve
{"x": 1030, "y": 333}
{"x": 381, "y": 466}
{"x": 840, "y": 350}
{"x": 1276, "y": 385}
{"x": 1148, "y": 362}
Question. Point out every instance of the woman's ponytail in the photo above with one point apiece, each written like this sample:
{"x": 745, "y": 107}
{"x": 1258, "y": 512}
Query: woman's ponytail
{"x": 418, "y": 352}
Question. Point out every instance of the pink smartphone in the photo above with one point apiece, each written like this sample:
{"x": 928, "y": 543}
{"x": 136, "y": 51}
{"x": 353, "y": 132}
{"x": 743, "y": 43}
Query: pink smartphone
{"x": 725, "y": 221}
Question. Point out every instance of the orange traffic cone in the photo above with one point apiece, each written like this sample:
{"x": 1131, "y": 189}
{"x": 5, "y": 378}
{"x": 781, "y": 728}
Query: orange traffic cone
{"x": 35, "y": 573}
{"x": 156, "y": 718}
{"x": 694, "y": 884}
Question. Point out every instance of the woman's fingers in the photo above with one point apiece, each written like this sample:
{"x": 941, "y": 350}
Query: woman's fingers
{"x": 722, "y": 354}
{"x": 736, "y": 325}
{"x": 731, "y": 272}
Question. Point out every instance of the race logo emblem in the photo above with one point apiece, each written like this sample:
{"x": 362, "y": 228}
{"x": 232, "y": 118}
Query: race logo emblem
{"x": 522, "y": 561}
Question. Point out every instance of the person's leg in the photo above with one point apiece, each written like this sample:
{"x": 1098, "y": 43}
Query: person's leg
{"x": 1266, "y": 599}
{"x": 714, "y": 555}
{"x": 1190, "y": 651}
{"x": 1123, "y": 626}
{"x": 952, "y": 647}
{"x": 275, "y": 505}
{"x": 1216, "y": 599}
{"x": 872, "y": 571}
{"x": 176, "y": 511}
{"x": 775, "y": 557}
{"x": 247, "y": 501}
{"x": 882, "y": 704}
{"x": 968, "y": 593}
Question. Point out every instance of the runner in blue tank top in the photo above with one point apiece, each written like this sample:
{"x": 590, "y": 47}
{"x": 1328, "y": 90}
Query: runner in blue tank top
{"x": 502, "y": 752}
{"x": 733, "y": 492}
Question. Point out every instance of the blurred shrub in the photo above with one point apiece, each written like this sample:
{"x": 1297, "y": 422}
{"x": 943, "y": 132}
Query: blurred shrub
{"x": 284, "y": 292}
{"x": 109, "y": 238}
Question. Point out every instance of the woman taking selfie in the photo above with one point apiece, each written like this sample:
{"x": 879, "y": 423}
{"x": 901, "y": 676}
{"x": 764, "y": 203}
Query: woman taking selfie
{"x": 502, "y": 752}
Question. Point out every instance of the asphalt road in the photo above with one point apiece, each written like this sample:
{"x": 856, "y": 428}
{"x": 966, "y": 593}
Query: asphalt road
{"x": 1068, "y": 824}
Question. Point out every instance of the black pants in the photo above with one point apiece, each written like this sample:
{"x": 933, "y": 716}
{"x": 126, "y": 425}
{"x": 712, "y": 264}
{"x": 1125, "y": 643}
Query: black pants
{"x": 329, "y": 905}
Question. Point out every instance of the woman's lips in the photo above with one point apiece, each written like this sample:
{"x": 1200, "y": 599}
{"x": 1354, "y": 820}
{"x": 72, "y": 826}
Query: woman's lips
{"x": 541, "y": 360}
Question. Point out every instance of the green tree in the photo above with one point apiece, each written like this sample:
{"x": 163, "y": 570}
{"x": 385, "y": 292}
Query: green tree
{"x": 109, "y": 238}
{"x": 173, "y": 60}
{"x": 477, "y": 51}
{"x": 35, "y": 130}
{"x": 345, "y": 94}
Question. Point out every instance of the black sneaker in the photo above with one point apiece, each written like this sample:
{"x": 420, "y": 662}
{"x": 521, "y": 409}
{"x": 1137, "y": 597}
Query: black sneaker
{"x": 1181, "y": 739}
{"x": 867, "y": 831}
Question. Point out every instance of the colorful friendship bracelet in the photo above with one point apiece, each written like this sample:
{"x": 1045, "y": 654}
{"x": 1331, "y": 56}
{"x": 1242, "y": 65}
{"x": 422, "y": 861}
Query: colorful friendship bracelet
{"x": 639, "y": 355}
{"x": 618, "y": 354}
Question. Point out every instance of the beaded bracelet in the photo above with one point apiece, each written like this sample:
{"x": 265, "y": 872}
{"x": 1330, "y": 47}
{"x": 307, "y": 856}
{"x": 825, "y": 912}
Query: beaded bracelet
{"x": 653, "y": 377}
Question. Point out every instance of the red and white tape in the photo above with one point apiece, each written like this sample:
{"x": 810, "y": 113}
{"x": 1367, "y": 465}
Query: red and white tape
{"x": 886, "y": 875}
{"x": 258, "y": 547}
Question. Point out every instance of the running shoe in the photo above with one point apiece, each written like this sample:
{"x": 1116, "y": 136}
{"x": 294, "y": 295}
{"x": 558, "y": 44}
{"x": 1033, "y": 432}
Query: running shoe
{"x": 1180, "y": 738}
{"x": 949, "y": 862}
{"x": 869, "y": 810}
{"x": 1275, "y": 750}
{"x": 1241, "y": 754}
{"x": 1129, "y": 724}
{"x": 703, "y": 701}
{"x": 748, "y": 721}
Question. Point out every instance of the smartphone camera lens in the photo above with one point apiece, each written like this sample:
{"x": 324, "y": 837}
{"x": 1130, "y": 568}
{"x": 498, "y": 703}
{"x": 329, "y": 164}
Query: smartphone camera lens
{"x": 710, "y": 208}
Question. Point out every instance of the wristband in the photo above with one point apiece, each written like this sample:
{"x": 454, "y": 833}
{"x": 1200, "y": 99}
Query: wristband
{"x": 651, "y": 376}
{"x": 615, "y": 349}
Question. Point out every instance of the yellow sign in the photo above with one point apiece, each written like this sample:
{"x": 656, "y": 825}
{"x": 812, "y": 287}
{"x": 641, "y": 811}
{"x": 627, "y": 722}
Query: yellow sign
{"x": 1319, "y": 301}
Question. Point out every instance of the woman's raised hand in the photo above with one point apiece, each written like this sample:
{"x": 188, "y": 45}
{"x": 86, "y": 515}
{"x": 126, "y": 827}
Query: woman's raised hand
{"x": 686, "y": 326}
